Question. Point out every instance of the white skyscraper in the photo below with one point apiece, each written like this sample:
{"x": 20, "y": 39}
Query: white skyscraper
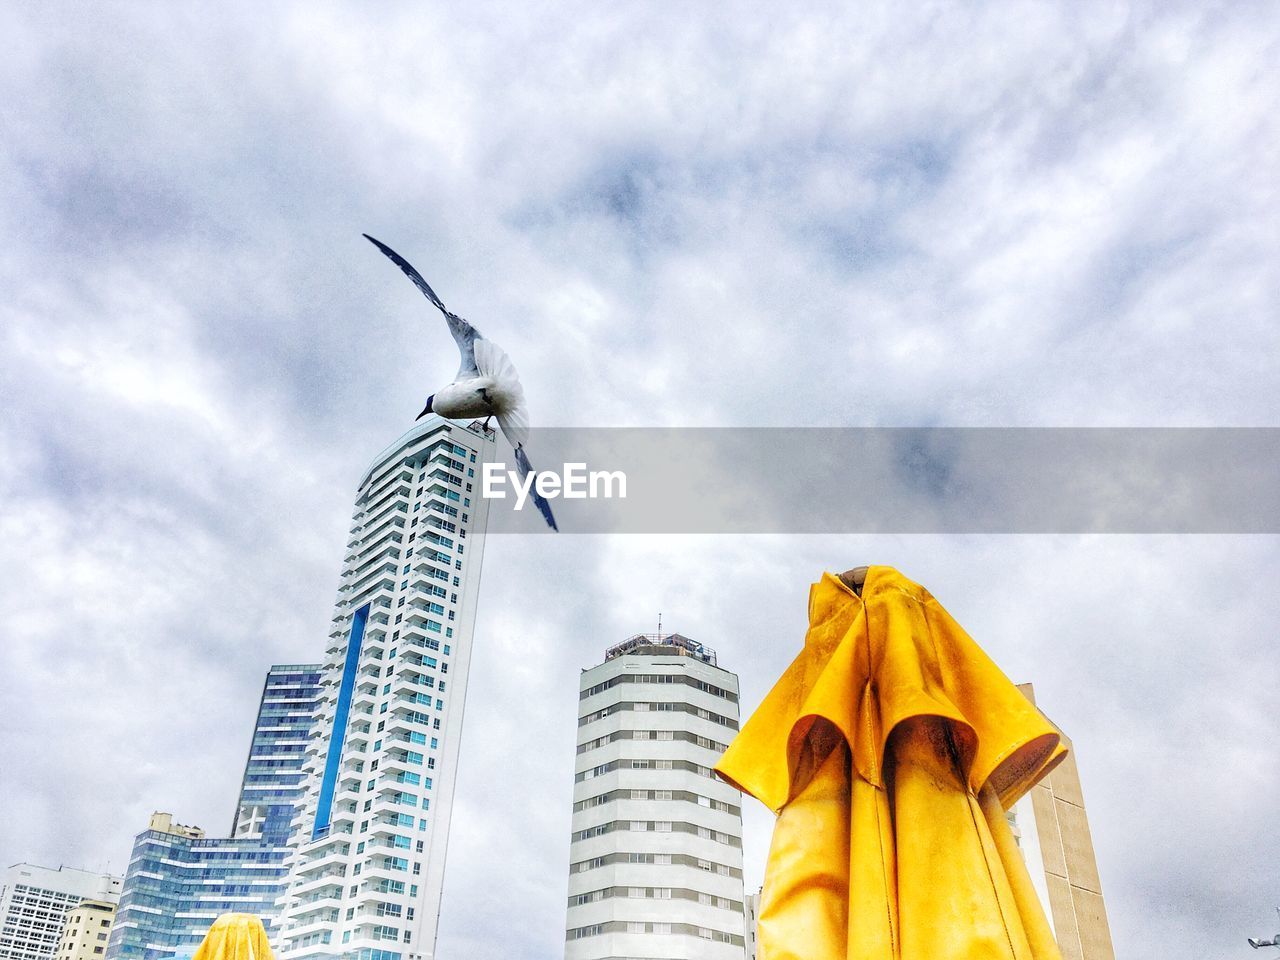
{"x": 34, "y": 902}
{"x": 655, "y": 860}
{"x": 369, "y": 841}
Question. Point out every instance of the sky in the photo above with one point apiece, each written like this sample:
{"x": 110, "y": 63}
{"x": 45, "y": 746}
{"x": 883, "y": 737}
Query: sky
{"x": 937, "y": 214}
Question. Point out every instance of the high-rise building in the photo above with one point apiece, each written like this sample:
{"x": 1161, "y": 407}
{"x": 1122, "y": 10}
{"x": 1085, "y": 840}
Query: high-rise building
{"x": 1052, "y": 830}
{"x": 34, "y": 902}
{"x": 86, "y": 931}
{"x": 273, "y": 781}
{"x": 179, "y": 880}
{"x": 656, "y": 852}
{"x": 752, "y": 922}
{"x": 369, "y": 842}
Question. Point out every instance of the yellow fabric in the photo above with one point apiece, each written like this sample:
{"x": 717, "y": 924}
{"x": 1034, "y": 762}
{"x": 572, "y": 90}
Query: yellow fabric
{"x": 890, "y": 749}
{"x": 235, "y": 936}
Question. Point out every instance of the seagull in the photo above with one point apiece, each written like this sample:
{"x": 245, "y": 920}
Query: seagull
{"x": 486, "y": 384}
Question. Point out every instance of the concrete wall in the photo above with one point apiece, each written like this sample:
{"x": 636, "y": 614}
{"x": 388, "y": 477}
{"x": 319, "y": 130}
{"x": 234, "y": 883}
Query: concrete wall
{"x": 1061, "y": 828}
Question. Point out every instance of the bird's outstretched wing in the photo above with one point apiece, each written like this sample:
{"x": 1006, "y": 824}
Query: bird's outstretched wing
{"x": 464, "y": 334}
{"x": 526, "y": 468}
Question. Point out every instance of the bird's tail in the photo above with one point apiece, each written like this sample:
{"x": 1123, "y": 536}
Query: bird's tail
{"x": 515, "y": 424}
{"x": 493, "y": 362}
{"x": 525, "y": 467}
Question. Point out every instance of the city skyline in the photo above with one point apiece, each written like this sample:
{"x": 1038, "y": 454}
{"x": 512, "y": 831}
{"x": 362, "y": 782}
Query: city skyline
{"x": 181, "y": 877}
{"x": 981, "y": 215}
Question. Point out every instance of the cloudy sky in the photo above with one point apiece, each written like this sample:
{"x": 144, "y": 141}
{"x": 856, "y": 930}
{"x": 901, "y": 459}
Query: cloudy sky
{"x": 997, "y": 214}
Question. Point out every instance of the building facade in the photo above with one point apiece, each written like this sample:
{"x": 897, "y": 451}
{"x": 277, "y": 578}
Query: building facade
{"x": 656, "y": 850}
{"x": 86, "y": 931}
{"x": 179, "y": 880}
{"x": 34, "y": 902}
{"x": 370, "y": 839}
{"x": 272, "y": 784}
{"x": 1052, "y": 829}
{"x": 752, "y": 922}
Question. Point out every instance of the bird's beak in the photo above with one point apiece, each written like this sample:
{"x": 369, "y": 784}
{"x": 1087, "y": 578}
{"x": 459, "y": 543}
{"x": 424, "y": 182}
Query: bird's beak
{"x": 427, "y": 408}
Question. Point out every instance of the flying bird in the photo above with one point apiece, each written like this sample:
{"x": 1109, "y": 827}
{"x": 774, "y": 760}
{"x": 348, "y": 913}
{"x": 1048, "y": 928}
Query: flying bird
{"x": 486, "y": 384}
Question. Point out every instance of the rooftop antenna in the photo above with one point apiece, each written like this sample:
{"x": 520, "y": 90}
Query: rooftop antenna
{"x": 659, "y": 623}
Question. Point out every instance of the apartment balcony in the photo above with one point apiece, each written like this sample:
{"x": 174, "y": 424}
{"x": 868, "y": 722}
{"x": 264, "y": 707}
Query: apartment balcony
{"x": 428, "y": 565}
{"x": 386, "y": 496}
{"x": 444, "y": 457}
{"x": 326, "y": 910}
{"x": 372, "y": 874}
{"x": 422, "y": 642}
{"x": 440, "y": 524}
{"x": 399, "y": 782}
{"x": 393, "y": 801}
{"x": 345, "y": 812}
{"x": 368, "y": 913}
{"x": 382, "y": 589}
{"x": 394, "y": 477}
{"x": 398, "y": 721}
{"x": 321, "y": 881}
{"x": 371, "y": 535}
{"x": 382, "y": 827}
{"x": 353, "y": 767}
{"x": 386, "y": 509}
{"x": 405, "y": 736}
{"x": 386, "y": 546}
{"x": 432, "y": 537}
{"x": 300, "y": 931}
{"x": 413, "y": 680}
{"x": 386, "y": 568}
{"x": 348, "y": 793}
{"x": 417, "y": 616}
{"x": 325, "y": 864}
{"x": 326, "y": 898}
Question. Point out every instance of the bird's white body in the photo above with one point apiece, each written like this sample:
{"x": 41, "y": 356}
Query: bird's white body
{"x": 477, "y": 397}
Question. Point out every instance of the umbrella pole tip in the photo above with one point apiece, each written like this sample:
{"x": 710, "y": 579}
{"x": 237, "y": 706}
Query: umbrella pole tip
{"x": 855, "y": 578}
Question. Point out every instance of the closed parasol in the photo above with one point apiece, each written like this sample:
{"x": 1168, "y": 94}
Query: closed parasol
{"x": 890, "y": 750}
{"x": 235, "y": 936}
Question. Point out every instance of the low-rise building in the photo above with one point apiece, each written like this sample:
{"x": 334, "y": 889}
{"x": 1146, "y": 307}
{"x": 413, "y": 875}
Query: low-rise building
{"x": 34, "y": 902}
{"x": 86, "y": 931}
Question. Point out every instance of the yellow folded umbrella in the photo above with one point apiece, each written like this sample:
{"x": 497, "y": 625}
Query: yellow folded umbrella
{"x": 890, "y": 749}
{"x": 235, "y": 936}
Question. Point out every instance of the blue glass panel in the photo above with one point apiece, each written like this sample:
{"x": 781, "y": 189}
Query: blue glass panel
{"x": 324, "y": 808}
